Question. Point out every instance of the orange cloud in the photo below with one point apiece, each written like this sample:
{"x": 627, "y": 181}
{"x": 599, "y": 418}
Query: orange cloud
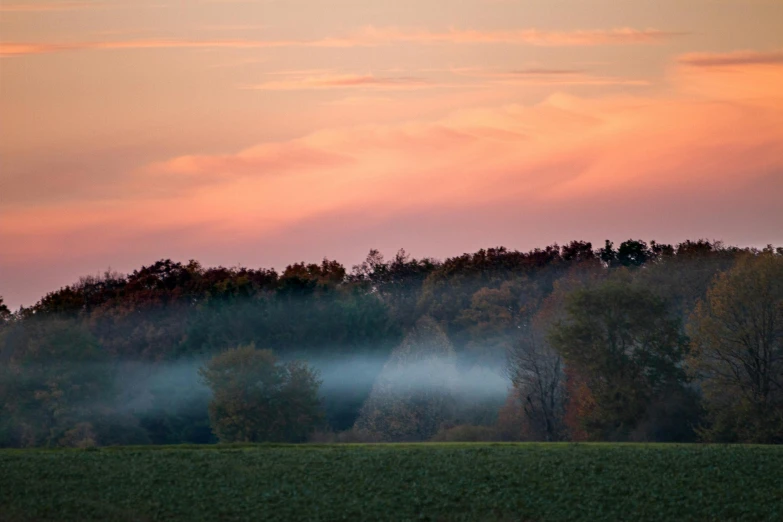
{"x": 19, "y": 49}
{"x": 619, "y": 36}
{"x": 320, "y": 80}
{"x": 351, "y": 101}
{"x": 46, "y": 7}
{"x": 345, "y": 81}
{"x": 269, "y": 159}
{"x": 576, "y": 80}
{"x": 756, "y": 78}
{"x": 563, "y": 164}
{"x": 369, "y": 37}
{"x": 728, "y": 59}
{"x": 541, "y": 71}
{"x": 59, "y": 6}
{"x": 566, "y": 147}
{"x": 542, "y": 76}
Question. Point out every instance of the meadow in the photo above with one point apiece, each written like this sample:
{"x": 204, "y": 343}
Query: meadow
{"x": 439, "y": 482}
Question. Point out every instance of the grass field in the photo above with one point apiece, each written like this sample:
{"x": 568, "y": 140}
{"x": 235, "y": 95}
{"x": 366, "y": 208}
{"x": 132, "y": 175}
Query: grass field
{"x": 529, "y": 482}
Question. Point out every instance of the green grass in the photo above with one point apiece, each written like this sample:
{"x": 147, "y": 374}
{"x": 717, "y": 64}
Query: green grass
{"x": 528, "y": 482}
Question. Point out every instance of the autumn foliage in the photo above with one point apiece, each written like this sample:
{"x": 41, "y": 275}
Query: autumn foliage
{"x": 643, "y": 341}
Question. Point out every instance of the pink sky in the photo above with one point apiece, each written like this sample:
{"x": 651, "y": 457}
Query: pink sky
{"x": 266, "y": 132}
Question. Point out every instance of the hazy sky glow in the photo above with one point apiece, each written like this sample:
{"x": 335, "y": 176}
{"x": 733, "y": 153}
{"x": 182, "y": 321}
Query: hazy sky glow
{"x": 266, "y": 132}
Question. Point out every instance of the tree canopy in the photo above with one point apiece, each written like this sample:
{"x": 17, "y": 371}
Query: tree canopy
{"x": 636, "y": 341}
{"x": 737, "y": 339}
{"x": 256, "y": 398}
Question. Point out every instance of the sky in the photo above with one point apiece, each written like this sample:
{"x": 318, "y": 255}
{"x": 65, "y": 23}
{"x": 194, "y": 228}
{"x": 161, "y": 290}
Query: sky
{"x": 261, "y": 133}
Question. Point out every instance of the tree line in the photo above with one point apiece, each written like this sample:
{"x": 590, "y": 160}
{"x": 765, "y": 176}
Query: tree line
{"x": 643, "y": 341}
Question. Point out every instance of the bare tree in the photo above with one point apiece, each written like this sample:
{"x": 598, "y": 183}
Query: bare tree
{"x": 537, "y": 374}
{"x": 536, "y": 369}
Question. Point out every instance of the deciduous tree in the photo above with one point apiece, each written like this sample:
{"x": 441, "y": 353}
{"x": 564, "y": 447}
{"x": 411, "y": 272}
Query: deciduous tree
{"x": 737, "y": 354}
{"x": 414, "y": 394}
{"x": 623, "y": 340}
{"x": 257, "y": 398}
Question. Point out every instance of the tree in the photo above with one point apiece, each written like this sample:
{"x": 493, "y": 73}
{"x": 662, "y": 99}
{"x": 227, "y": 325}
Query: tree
{"x": 683, "y": 276}
{"x": 537, "y": 374}
{"x": 492, "y": 322}
{"x": 633, "y": 253}
{"x": 398, "y": 282}
{"x": 624, "y": 342}
{"x": 256, "y": 398}
{"x": 737, "y": 333}
{"x": 414, "y": 394}
{"x": 536, "y": 369}
{"x": 63, "y": 361}
{"x": 607, "y": 254}
{"x": 6, "y": 316}
{"x": 579, "y": 406}
{"x": 539, "y": 379}
{"x": 5, "y": 313}
{"x": 54, "y": 377}
{"x": 577, "y": 252}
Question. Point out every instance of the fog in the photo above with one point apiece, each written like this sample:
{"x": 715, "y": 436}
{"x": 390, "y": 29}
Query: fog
{"x": 176, "y": 387}
{"x": 348, "y": 373}
{"x": 142, "y": 387}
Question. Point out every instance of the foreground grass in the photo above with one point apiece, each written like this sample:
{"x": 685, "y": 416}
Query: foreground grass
{"x": 528, "y": 482}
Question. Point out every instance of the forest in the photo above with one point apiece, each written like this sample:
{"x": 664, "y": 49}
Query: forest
{"x": 641, "y": 342}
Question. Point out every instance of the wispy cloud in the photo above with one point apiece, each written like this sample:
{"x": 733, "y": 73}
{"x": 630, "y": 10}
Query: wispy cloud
{"x": 239, "y": 63}
{"x": 564, "y": 80}
{"x": 564, "y": 150}
{"x": 496, "y": 169}
{"x": 353, "y": 101}
{"x": 564, "y": 147}
{"x": 546, "y": 76}
{"x": 44, "y": 7}
{"x": 734, "y": 58}
{"x": 302, "y": 72}
{"x": 345, "y": 81}
{"x": 542, "y": 71}
{"x": 618, "y": 36}
{"x": 17, "y": 49}
{"x": 235, "y": 27}
{"x": 370, "y": 37}
{"x": 268, "y": 159}
{"x": 54, "y": 7}
{"x": 752, "y": 76}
